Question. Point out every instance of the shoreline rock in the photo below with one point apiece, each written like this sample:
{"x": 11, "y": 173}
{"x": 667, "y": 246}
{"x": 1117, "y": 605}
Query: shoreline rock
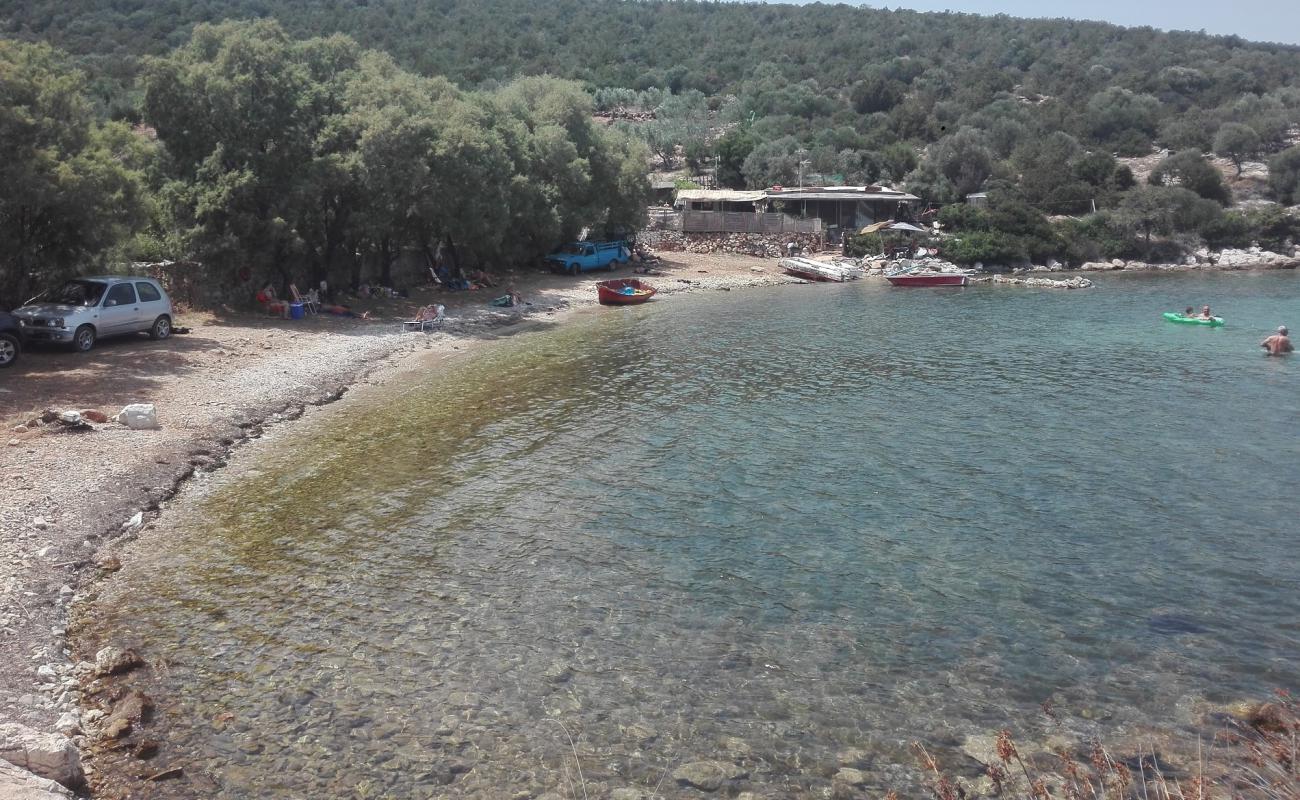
{"x": 52, "y": 756}
{"x": 1229, "y": 259}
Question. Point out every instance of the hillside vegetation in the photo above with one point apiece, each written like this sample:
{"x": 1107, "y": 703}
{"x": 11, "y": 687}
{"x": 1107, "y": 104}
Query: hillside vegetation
{"x": 1033, "y": 111}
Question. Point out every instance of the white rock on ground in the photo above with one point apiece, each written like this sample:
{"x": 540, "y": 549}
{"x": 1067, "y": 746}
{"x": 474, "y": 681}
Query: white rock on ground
{"x": 48, "y": 755}
{"x": 18, "y": 784}
{"x": 139, "y": 416}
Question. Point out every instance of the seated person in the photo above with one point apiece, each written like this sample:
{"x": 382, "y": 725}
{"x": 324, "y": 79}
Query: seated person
{"x": 1189, "y": 312}
{"x": 431, "y": 313}
{"x": 482, "y": 278}
{"x": 512, "y": 298}
{"x": 1205, "y": 313}
{"x": 271, "y": 303}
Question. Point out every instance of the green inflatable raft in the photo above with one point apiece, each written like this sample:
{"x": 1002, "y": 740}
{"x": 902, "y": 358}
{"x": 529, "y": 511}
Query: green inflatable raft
{"x": 1213, "y": 322}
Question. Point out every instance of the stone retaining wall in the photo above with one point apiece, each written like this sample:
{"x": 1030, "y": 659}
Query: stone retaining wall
{"x": 763, "y": 245}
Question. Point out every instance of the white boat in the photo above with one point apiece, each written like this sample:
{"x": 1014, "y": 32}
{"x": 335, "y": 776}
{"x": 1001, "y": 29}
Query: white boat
{"x": 814, "y": 270}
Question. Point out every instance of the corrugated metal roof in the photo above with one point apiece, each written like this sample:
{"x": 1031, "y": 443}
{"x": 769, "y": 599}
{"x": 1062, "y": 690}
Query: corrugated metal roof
{"x": 719, "y": 196}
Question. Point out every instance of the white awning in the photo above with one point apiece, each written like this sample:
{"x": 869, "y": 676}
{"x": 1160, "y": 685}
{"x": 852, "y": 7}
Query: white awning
{"x": 718, "y": 196}
{"x": 906, "y": 226}
{"x": 821, "y": 194}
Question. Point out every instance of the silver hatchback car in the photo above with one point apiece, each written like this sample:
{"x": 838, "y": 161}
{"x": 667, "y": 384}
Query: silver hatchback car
{"x": 85, "y": 310}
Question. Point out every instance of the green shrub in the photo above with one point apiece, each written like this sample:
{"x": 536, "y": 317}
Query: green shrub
{"x": 963, "y": 217}
{"x": 865, "y": 244}
{"x": 988, "y": 247}
{"x": 1271, "y": 228}
{"x": 1231, "y": 230}
{"x": 1165, "y": 251}
{"x": 1284, "y": 175}
{"x": 1093, "y": 238}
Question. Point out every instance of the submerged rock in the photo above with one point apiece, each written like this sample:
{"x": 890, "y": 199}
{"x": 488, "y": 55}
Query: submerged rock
{"x": 850, "y": 776}
{"x": 114, "y": 660}
{"x": 135, "y": 707}
{"x": 707, "y": 775}
{"x": 116, "y": 729}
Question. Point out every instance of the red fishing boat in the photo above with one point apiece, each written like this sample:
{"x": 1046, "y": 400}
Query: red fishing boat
{"x": 624, "y": 292}
{"x": 928, "y": 279}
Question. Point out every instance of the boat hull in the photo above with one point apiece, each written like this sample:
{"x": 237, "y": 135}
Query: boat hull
{"x": 811, "y": 276}
{"x": 812, "y": 270}
{"x": 614, "y": 292}
{"x": 927, "y": 280}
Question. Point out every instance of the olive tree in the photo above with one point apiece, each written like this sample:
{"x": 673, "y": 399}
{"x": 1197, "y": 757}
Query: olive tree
{"x": 1236, "y": 142}
{"x": 72, "y": 187}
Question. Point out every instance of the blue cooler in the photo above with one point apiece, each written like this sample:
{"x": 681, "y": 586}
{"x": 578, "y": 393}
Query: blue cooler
{"x": 295, "y": 311}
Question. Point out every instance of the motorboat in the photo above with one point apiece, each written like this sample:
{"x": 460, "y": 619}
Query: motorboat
{"x": 815, "y": 270}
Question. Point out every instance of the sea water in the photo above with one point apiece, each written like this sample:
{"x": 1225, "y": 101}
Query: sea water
{"x": 788, "y": 530}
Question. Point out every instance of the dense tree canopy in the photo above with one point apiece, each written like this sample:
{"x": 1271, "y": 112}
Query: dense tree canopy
{"x": 816, "y": 63}
{"x": 282, "y": 157}
{"x": 315, "y": 136}
{"x": 72, "y": 186}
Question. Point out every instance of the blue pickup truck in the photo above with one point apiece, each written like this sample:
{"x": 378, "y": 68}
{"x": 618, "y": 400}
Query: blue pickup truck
{"x": 576, "y": 257}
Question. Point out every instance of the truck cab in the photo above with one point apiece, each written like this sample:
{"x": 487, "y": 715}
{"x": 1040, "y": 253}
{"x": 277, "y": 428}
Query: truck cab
{"x": 576, "y": 257}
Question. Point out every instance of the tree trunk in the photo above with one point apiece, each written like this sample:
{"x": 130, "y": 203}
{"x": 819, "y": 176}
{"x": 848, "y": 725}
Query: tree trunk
{"x": 386, "y": 250}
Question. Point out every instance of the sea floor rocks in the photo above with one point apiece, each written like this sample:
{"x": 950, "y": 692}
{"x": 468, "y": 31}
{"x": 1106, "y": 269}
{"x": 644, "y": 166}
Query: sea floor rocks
{"x": 47, "y": 755}
{"x": 708, "y": 776}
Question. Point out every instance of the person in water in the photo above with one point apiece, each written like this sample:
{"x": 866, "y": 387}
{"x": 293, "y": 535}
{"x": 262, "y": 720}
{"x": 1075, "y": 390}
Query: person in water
{"x": 1189, "y": 312}
{"x": 1205, "y": 313}
{"x": 1278, "y": 344}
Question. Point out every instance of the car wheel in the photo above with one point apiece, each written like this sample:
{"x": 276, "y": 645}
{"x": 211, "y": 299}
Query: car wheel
{"x": 574, "y": 269}
{"x": 84, "y": 339}
{"x": 10, "y": 349}
{"x": 162, "y": 328}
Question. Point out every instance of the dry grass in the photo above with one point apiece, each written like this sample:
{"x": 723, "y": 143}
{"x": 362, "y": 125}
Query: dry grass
{"x": 1249, "y": 758}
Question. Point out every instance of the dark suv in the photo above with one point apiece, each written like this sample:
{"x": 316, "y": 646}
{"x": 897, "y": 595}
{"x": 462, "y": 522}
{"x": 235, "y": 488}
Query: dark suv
{"x": 11, "y": 339}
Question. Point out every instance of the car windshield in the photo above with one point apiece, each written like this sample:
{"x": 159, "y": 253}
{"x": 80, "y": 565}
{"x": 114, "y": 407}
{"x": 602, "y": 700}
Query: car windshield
{"x": 77, "y": 293}
{"x": 572, "y": 249}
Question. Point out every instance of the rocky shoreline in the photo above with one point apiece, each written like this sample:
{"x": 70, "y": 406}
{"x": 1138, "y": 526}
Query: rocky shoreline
{"x": 57, "y": 543}
{"x": 1250, "y": 259}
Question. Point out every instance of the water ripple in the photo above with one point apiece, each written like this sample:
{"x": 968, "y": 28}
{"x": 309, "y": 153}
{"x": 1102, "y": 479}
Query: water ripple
{"x": 765, "y": 530}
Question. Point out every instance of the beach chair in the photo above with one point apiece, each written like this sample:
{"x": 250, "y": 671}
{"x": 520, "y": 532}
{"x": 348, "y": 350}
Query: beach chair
{"x": 310, "y": 301}
{"x": 427, "y": 317}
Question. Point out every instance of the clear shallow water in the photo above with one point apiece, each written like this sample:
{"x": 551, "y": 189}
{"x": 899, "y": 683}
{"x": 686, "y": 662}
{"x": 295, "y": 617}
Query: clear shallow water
{"x": 762, "y": 527}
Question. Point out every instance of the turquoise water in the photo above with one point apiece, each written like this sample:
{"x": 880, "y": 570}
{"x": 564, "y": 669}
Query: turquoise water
{"x": 765, "y": 527}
